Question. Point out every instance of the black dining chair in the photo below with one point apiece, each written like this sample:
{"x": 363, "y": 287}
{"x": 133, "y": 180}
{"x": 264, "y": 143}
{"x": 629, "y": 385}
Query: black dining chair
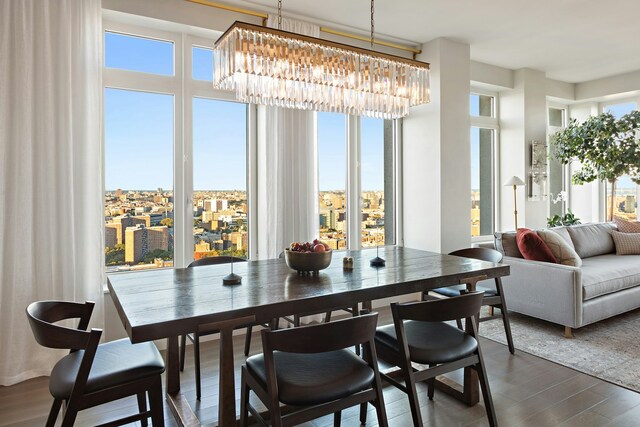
{"x": 92, "y": 373}
{"x": 194, "y": 337}
{"x": 420, "y": 333}
{"x": 311, "y": 370}
{"x": 354, "y": 310}
{"x": 493, "y": 297}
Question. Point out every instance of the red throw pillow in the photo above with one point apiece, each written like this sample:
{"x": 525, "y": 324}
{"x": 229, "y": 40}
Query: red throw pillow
{"x": 533, "y": 247}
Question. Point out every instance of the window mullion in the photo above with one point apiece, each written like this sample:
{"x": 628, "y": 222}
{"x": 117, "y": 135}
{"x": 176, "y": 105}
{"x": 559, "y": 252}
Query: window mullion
{"x": 183, "y": 160}
{"x": 353, "y": 187}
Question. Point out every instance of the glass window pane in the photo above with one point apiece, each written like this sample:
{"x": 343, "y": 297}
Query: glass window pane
{"x": 626, "y": 191}
{"x": 202, "y": 64}
{"x": 138, "y": 179}
{"x": 376, "y": 176}
{"x": 220, "y": 178}
{"x": 556, "y": 117}
{"x": 332, "y": 178}
{"x": 482, "y": 203}
{"x": 138, "y": 54}
{"x": 481, "y": 105}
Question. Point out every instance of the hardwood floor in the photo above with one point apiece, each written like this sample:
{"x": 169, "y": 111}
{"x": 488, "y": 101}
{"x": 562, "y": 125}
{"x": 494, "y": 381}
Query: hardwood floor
{"x": 527, "y": 391}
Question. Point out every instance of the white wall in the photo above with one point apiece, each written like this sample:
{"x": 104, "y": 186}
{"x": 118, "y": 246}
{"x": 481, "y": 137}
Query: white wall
{"x": 523, "y": 112}
{"x": 601, "y": 89}
{"x": 437, "y": 156}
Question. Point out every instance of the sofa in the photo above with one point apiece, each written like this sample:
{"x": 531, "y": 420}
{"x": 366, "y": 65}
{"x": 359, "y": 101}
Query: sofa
{"x": 604, "y": 285}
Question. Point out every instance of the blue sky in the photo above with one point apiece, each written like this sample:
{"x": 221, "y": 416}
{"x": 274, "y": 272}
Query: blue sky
{"x": 139, "y": 130}
{"x": 619, "y": 110}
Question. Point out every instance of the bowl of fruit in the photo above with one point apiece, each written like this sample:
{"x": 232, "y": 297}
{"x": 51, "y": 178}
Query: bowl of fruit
{"x": 308, "y": 256}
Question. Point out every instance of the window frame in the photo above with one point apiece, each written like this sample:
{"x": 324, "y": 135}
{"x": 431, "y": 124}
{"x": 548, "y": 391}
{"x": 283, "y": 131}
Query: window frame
{"x": 491, "y": 123}
{"x": 183, "y": 87}
{"x": 566, "y": 169}
{"x": 153, "y": 83}
{"x": 353, "y": 184}
{"x": 603, "y": 185}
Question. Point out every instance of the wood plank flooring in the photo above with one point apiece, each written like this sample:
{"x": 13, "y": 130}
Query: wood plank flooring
{"x": 527, "y": 391}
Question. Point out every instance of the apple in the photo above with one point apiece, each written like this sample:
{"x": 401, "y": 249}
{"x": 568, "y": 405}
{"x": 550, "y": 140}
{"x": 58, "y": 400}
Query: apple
{"x": 319, "y": 248}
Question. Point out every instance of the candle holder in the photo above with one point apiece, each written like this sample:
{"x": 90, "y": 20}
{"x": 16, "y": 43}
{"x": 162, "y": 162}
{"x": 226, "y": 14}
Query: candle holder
{"x": 377, "y": 261}
{"x": 232, "y": 278}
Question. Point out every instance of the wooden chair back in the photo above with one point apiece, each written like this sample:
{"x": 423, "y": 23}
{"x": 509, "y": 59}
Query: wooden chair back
{"x": 440, "y": 310}
{"x": 321, "y": 338}
{"x": 213, "y": 260}
{"x": 43, "y": 315}
{"x": 482, "y": 254}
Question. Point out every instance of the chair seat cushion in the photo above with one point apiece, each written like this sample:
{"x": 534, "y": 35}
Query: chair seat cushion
{"x": 312, "y": 379}
{"x": 115, "y": 363}
{"x": 454, "y": 291}
{"x": 429, "y": 342}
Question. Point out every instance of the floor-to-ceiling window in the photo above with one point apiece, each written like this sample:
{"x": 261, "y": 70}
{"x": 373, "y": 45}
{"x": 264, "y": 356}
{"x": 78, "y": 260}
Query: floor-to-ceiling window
{"x": 484, "y": 132}
{"x": 357, "y": 175}
{"x": 625, "y": 203}
{"x": 139, "y": 137}
{"x": 179, "y": 160}
{"x": 558, "y": 180}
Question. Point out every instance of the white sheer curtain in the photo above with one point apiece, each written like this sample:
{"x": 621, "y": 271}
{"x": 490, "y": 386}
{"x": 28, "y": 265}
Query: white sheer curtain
{"x": 287, "y": 169}
{"x": 50, "y": 169}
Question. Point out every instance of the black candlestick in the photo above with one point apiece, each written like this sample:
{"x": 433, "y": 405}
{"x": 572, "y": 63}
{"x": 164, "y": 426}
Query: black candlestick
{"x": 231, "y": 278}
{"x": 377, "y": 261}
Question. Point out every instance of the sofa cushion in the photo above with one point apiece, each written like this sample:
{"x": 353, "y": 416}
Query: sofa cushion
{"x": 506, "y": 243}
{"x": 626, "y": 243}
{"x": 564, "y": 233}
{"x": 610, "y": 273}
{"x": 533, "y": 247}
{"x": 625, "y": 226}
{"x": 564, "y": 253}
{"x": 592, "y": 239}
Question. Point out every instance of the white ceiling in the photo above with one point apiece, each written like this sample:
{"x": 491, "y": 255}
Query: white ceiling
{"x": 570, "y": 40}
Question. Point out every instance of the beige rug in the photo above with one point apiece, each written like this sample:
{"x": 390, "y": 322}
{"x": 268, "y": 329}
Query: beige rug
{"x": 609, "y": 349}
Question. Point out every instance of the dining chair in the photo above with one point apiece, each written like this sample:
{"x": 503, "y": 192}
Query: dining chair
{"x": 353, "y": 310}
{"x": 312, "y": 371}
{"x": 194, "y": 337}
{"x": 92, "y": 373}
{"x": 420, "y": 333}
{"x": 494, "y": 298}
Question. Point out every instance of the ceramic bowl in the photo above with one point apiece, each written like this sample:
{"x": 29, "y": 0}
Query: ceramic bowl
{"x": 307, "y": 261}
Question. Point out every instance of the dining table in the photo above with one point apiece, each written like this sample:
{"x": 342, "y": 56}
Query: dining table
{"x": 166, "y": 303}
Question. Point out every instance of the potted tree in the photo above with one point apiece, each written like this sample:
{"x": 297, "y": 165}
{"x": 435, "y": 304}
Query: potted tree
{"x": 605, "y": 147}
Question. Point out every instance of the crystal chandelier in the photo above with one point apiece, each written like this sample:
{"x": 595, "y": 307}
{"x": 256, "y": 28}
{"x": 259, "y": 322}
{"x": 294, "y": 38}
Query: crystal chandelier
{"x": 269, "y": 66}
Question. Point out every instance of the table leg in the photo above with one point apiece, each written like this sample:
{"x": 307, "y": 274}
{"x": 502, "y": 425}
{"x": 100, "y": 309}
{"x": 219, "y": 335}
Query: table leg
{"x": 176, "y": 402}
{"x": 470, "y": 392}
{"x": 227, "y": 385}
{"x": 173, "y": 367}
{"x": 227, "y": 392}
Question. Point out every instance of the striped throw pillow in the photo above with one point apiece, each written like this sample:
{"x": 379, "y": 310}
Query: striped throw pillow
{"x": 626, "y": 243}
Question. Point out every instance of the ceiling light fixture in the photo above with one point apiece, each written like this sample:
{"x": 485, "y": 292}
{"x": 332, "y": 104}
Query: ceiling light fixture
{"x": 274, "y": 67}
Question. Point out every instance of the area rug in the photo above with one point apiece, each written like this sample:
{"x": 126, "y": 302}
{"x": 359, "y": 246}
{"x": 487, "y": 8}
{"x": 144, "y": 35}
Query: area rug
{"x": 609, "y": 349}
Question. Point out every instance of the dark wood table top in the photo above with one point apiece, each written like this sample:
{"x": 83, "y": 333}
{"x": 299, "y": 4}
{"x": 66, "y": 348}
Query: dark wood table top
{"x": 156, "y": 304}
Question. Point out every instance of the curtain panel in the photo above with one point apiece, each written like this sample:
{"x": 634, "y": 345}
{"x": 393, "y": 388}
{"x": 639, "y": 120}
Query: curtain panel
{"x": 51, "y": 208}
{"x": 287, "y": 168}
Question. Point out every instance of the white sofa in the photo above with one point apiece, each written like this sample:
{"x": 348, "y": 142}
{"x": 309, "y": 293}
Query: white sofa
{"x": 605, "y": 285}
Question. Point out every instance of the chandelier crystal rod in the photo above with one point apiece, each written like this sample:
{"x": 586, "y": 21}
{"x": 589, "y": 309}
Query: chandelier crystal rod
{"x": 274, "y": 67}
